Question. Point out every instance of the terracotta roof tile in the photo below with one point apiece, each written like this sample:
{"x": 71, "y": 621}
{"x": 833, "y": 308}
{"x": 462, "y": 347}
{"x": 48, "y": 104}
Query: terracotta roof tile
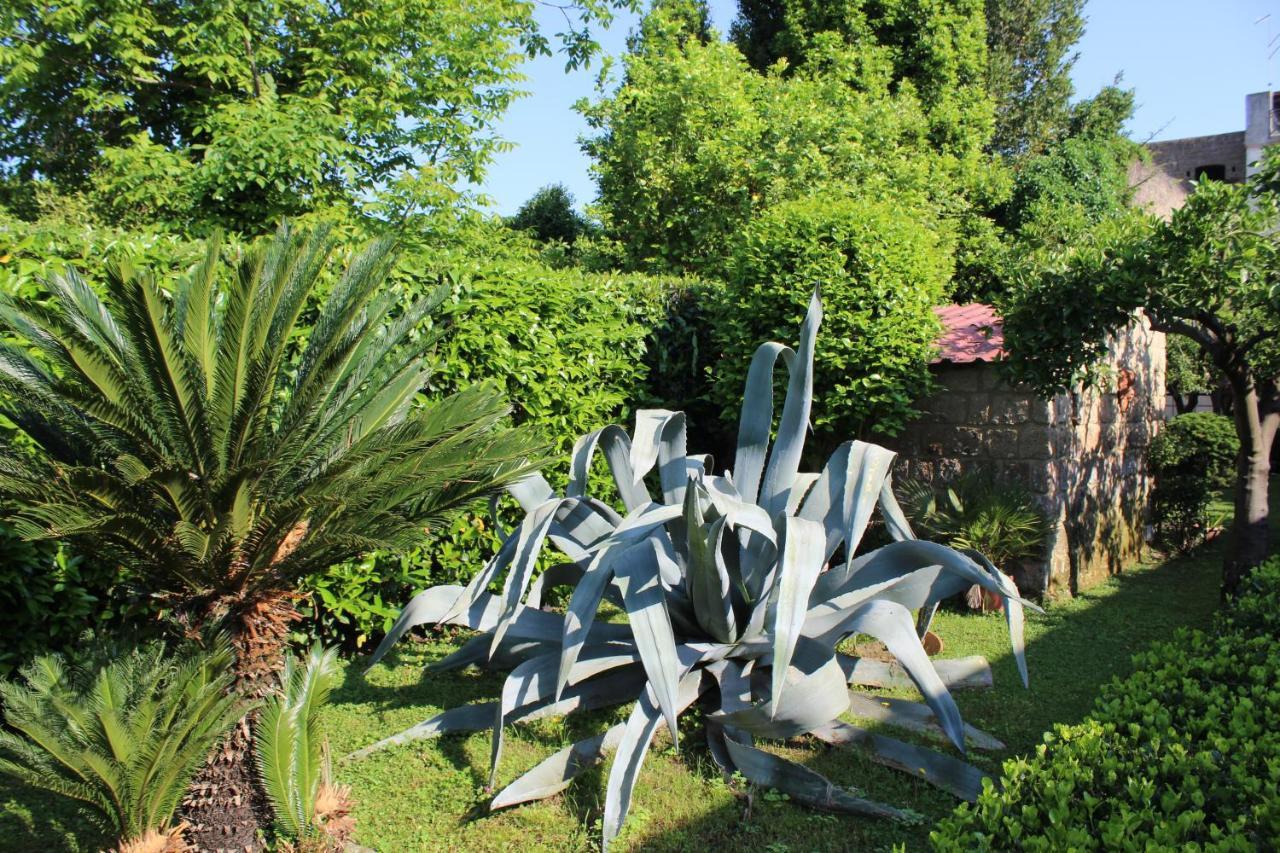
{"x": 971, "y": 332}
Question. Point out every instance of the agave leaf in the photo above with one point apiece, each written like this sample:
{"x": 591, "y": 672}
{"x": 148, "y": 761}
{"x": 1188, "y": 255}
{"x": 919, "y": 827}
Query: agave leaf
{"x": 531, "y": 491}
{"x": 476, "y": 651}
{"x": 707, "y": 577}
{"x": 553, "y": 775}
{"x": 464, "y": 718}
{"x": 636, "y": 574}
{"x": 1012, "y": 612}
{"x": 637, "y": 734}
{"x": 617, "y": 448}
{"x": 756, "y": 421}
{"x": 801, "y": 560}
{"x": 817, "y": 691}
{"x": 804, "y": 785}
{"x": 660, "y": 437}
{"x": 581, "y": 613}
{"x": 912, "y": 716}
{"x": 891, "y": 624}
{"x": 956, "y": 777}
{"x": 969, "y": 673}
{"x": 784, "y": 459}
{"x": 894, "y": 518}
{"x": 804, "y": 483}
{"x": 533, "y": 530}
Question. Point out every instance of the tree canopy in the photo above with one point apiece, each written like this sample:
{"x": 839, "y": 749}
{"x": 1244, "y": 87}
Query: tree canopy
{"x": 240, "y": 112}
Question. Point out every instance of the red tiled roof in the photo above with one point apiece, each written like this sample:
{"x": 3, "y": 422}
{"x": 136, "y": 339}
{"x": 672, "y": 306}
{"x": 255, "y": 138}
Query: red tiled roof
{"x": 972, "y": 332}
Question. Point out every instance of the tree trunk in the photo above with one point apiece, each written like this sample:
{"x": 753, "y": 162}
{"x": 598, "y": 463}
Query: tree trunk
{"x": 226, "y": 805}
{"x": 1248, "y": 546}
{"x": 1184, "y": 403}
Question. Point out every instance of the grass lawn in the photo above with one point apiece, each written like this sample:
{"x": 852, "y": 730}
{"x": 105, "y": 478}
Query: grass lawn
{"x": 430, "y": 795}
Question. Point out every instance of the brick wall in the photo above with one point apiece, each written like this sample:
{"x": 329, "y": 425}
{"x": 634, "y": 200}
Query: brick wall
{"x": 1082, "y": 455}
{"x": 1179, "y": 158}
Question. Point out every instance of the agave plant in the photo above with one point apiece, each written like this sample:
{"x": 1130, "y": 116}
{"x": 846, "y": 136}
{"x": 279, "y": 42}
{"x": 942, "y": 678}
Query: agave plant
{"x": 224, "y": 435}
{"x": 311, "y": 811}
{"x": 122, "y": 738}
{"x": 738, "y": 589}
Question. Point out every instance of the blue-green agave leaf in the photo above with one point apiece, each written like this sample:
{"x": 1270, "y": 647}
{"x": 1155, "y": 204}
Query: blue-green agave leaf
{"x": 646, "y": 604}
{"x": 958, "y": 778}
{"x": 804, "y": 785}
{"x": 914, "y": 717}
{"x": 755, "y": 424}
{"x": 784, "y": 459}
{"x": 800, "y": 562}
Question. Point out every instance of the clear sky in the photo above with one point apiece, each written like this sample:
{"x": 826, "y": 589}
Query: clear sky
{"x": 1191, "y": 63}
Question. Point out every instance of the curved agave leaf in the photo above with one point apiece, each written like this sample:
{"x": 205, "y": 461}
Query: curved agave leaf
{"x": 464, "y": 718}
{"x": 617, "y": 450}
{"x": 957, "y": 778}
{"x": 784, "y": 458}
{"x": 891, "y": 624}
{"x": 914, "y": 717}
{"x": 636, "y": 574}
{"x": 637, "y": 733}
{"x": 800, "y": 562}
{"x": 1012, "y": 612}
{"x": 554, "y": 774}
{"x": 817, "y": 692}
{"x": 804, "y": 785}
{"x": 755, "y": 424}
{"x": 708, "y": 583}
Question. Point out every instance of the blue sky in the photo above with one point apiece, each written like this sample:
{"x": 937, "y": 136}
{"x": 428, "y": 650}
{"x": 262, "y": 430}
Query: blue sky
{"x": 1191, "y": 62}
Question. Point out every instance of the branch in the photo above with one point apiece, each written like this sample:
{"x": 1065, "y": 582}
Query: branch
{"x": 1182, "y": 327}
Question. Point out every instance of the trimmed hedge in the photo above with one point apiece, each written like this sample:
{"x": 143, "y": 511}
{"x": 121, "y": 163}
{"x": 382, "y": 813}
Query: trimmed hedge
{"x": 1183, "y": 754}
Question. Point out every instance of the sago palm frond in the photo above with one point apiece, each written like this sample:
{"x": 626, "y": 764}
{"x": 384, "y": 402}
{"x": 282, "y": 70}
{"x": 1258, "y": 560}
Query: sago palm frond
{"x": 216, "y": 444}
{"x": 124, "y": 737}
{"x": 290, "y": 756}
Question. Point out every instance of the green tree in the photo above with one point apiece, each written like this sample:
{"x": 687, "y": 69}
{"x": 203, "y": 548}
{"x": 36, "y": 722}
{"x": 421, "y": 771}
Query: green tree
{"x": 549, "y": 215}
{"x": 220, "y": 451}
{"x": 936, "y": 48}
{"x": 1210, "y": 275}
{"x": 271, "y": 107}
{"x": 881, "y": 267}
{"x": 1030, "y": 54}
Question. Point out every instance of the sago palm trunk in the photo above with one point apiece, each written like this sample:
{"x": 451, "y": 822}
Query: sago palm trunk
{"x": 226, "y": 805}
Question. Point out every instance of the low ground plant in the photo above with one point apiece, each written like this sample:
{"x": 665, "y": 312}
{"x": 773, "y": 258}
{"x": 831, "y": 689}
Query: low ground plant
{"x": 1182, "y": 754}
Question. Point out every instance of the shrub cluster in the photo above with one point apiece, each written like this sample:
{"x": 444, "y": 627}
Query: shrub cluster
{"x": 1183, "y": 754}
{"x": 1194, "y": 455}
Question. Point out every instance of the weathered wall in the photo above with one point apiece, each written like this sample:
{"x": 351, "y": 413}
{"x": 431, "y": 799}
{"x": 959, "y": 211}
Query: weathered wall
{"x": 1083, "y": 456}
{"x": 1180, "y": 158}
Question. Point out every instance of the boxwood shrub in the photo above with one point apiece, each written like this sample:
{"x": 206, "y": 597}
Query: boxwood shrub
{"x": 1183, "y": 754}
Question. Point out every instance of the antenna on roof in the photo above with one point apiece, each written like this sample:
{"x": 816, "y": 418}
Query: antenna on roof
{"x": 1271, "y": 40}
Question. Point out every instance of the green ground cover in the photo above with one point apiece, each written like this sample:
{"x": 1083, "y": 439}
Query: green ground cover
{"x": 430, "y": 795}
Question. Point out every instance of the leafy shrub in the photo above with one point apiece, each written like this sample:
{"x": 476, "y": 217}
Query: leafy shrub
{"x": 1183, "y": 754}
{"x": 881, "y": 270}
{"x": 122, "y": 733}
{"x": 998, "y": 519}
{"x": 570, "y": 349}
{"x": 1197, "y": 443}
{"x": 49, "y": 596}
{"x": 1194, "y": 455}
{"x": 730, "y": 598}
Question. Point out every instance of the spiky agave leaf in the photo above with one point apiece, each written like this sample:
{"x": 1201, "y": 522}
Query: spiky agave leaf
{"x": 732, "y": 599}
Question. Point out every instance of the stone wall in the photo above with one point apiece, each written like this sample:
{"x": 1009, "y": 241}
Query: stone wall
{"x": 1180, "y": 158}
{"x": 1082, "y": 455}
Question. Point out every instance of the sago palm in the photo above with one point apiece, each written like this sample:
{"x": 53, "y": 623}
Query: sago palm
{"x": 123, "y": 738}
{"x": 220, "y": 449}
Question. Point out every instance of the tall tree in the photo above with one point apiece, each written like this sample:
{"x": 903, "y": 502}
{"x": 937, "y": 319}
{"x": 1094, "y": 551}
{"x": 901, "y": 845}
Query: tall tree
{"x": 260, "y": 108}
{"x": 1211, "y": 274}
{"x": 195, "y": 442}
{"x": 1030, "y": 54}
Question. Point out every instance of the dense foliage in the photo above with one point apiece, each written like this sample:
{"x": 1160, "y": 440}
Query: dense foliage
{"x": 1192, "y": 458}
{"x": 880, "y": 271}
{"x": 729, "y": 598}
{"x": 549, "y": 215}
{"x": 1029, "y": 62}
{"x": 121, "y": 733}
{"x": 694, "y": 144}
{"x": 192, "y": 438}
{"x": 1002, "y": 520}
{"x": 1180, "y": 755}
{"x": 240, "y": 112}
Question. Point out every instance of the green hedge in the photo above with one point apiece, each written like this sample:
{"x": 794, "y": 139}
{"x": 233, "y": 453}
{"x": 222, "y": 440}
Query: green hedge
{"x": 1183, "y": 754}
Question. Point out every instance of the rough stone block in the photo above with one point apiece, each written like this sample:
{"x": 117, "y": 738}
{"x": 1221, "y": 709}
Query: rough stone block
{"x": 1002, "y": 443}
{"x": 1010, "y": 409}
{"x": 1035, "y": 442}
{"x": 962, "y": 379}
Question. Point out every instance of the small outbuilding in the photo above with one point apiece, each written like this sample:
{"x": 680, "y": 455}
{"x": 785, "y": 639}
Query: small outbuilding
{"x": 1083, "y": 455}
